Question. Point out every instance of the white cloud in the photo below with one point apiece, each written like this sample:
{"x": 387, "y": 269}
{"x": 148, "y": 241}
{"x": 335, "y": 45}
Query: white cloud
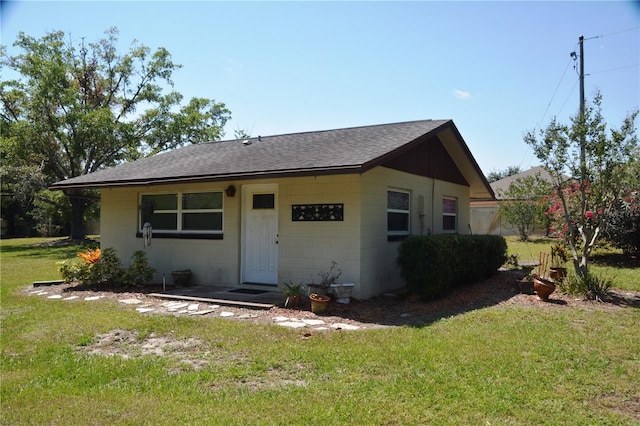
{"x": 461, "y": 94}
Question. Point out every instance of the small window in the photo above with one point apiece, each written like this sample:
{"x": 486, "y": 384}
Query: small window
{"x": 449, "y": 214}
{"x": 264, "y": 201}
{"x": 398, "y": 212}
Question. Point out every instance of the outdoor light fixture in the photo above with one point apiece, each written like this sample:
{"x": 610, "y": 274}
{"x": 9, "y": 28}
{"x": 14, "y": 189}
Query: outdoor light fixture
{"x": 230, "y": 191}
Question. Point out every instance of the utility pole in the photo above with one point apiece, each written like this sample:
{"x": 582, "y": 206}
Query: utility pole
{"x": 581, "y": 40}
{"x": 582, "y": 106}
{"x": 583, "y": 124}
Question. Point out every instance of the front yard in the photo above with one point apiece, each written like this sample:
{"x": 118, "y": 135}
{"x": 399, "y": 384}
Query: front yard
{"x": 470, "y": 359}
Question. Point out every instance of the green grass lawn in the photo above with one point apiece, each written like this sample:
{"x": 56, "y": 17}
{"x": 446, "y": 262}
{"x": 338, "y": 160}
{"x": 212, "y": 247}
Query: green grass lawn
{"x": 544, "y": 364}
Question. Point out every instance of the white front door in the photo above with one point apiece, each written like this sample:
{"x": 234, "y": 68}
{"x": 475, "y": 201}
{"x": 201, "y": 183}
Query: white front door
{"x": 260, "y": 234}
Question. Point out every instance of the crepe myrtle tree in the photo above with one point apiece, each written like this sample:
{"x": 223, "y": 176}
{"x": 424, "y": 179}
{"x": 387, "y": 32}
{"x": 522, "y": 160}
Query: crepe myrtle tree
{"x": 596, "y": 161}
{"x": 76, "y": 107}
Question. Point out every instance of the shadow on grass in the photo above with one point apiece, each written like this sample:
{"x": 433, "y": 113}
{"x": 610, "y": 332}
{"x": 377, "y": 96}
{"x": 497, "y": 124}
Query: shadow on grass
{"x": 615, "y": 260}
{"x": 407, "y": 311}
{"x": 55, "y": 249}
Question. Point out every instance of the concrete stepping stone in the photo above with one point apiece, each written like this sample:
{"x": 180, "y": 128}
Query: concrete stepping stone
{"x": 54, "y": 296}
{"x": 193, "y": 307}
{"x": 279, "y": 319}
{"x": 206, "y": 311}
{"x": 130, "y": 301}
{"x": 344, "y": 326}
{"x": 144, "y": 310}
{"x": 71, "y": 298}
{"x": 310, "y": 321}
{"x": 90, "y": 298}
{"x": 292, "y": 324}
{"x": 226, "y": 314}
{"x": 171, "y": 307}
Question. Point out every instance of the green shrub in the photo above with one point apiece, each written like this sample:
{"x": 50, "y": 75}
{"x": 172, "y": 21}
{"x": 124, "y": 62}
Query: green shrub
{"x": 108, "y": 270}
{"x": 590, "y": 286}
{"x": 433, "y": 265}
{"x": 74, "y": 270}
{"x": 139, "y": 273}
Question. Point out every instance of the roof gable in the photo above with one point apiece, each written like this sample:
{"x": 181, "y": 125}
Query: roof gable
{"x": 429, "y": 159}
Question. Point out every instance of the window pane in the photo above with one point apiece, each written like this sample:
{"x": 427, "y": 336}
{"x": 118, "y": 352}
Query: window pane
{"x": 203, "y": 200}
{"x": 397, "y": 200}
{"x": 161, "y": 201}
{"x": 449, "y": 205}
{"x": 202, "y": 221}
{"x": 264, "y": 201}
{"x": 449, "y": 223}
{"x": 398, "y": 222}
{"x": 161, "y": 221}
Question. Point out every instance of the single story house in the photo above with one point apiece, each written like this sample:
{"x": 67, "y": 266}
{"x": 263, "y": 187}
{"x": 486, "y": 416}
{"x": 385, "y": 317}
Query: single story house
{"x": 273, "y": 209}
{"x": 485, "y": 214}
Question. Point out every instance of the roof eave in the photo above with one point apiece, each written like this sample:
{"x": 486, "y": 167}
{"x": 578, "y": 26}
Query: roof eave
{"x": 61, "y": 186}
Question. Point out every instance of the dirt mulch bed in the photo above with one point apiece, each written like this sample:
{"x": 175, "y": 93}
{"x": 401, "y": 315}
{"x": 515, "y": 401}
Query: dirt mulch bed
{"x": 387, "y": 310}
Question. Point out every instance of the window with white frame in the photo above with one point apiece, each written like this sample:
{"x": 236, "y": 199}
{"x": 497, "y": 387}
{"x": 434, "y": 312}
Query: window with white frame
{"x": 449, "y": 214}
{"x": 398, "y": 212}
{"x": 183, "y": 212}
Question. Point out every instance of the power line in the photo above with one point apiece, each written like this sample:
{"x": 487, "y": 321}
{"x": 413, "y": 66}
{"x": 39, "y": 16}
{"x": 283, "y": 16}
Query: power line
{"x": 555, "y": 91}
{"x": 614, "y": 69}
{"x": 568, "y": 96}
{"x": 613, "y": 33}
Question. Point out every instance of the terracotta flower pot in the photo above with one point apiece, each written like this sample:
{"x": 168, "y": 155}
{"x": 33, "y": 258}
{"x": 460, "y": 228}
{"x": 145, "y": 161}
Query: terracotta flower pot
{"x": 557, "y": 273}
{"x": 318, "y": 302}
{"x": 543, "y": 288}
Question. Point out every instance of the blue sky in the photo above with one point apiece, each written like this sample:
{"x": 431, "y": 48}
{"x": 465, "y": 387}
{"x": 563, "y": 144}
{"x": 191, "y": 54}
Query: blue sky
{"x": 497, "y": 69}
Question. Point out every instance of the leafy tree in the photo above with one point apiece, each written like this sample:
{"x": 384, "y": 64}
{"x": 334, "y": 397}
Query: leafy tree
{"x": 77, "y": 108}
{"x": 495, "y": 175}
{"x": 524, "y": 204}
{"x": 624, "y": 229}
{"x": 597, "y": 163}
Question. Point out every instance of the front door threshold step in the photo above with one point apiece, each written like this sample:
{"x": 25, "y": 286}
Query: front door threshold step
{"x": 226, "y": 302}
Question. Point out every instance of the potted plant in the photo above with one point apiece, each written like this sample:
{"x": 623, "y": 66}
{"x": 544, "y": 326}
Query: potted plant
{"x": 181, "y": 277}
{"x": 318, "y": 302}
{"x": 342, "y": 291}
{"x": 542, "y": 283}
{"x": 326, "y": 279}
{"x": 293, "y": 292}
{"x": 559, "y": 256}
{"x": 525, "y": 284}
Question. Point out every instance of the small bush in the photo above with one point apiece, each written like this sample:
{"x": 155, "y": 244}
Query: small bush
{"x": 139, "y": 273}
{"x": 105, "y": 268}
{"x": 590, "y": 286}
{"x": 433, "y": 265}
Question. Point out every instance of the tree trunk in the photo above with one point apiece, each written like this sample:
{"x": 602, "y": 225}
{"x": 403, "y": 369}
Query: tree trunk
{"x": 78, "y": 207}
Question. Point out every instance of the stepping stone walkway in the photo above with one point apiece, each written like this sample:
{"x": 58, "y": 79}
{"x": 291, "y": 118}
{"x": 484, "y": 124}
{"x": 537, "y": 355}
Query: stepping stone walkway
{"x": 190, "y": 308}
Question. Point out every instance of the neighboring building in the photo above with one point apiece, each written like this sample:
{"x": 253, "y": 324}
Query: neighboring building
{"x": 281, "y": 208}
{"x": 485, "y": 214}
